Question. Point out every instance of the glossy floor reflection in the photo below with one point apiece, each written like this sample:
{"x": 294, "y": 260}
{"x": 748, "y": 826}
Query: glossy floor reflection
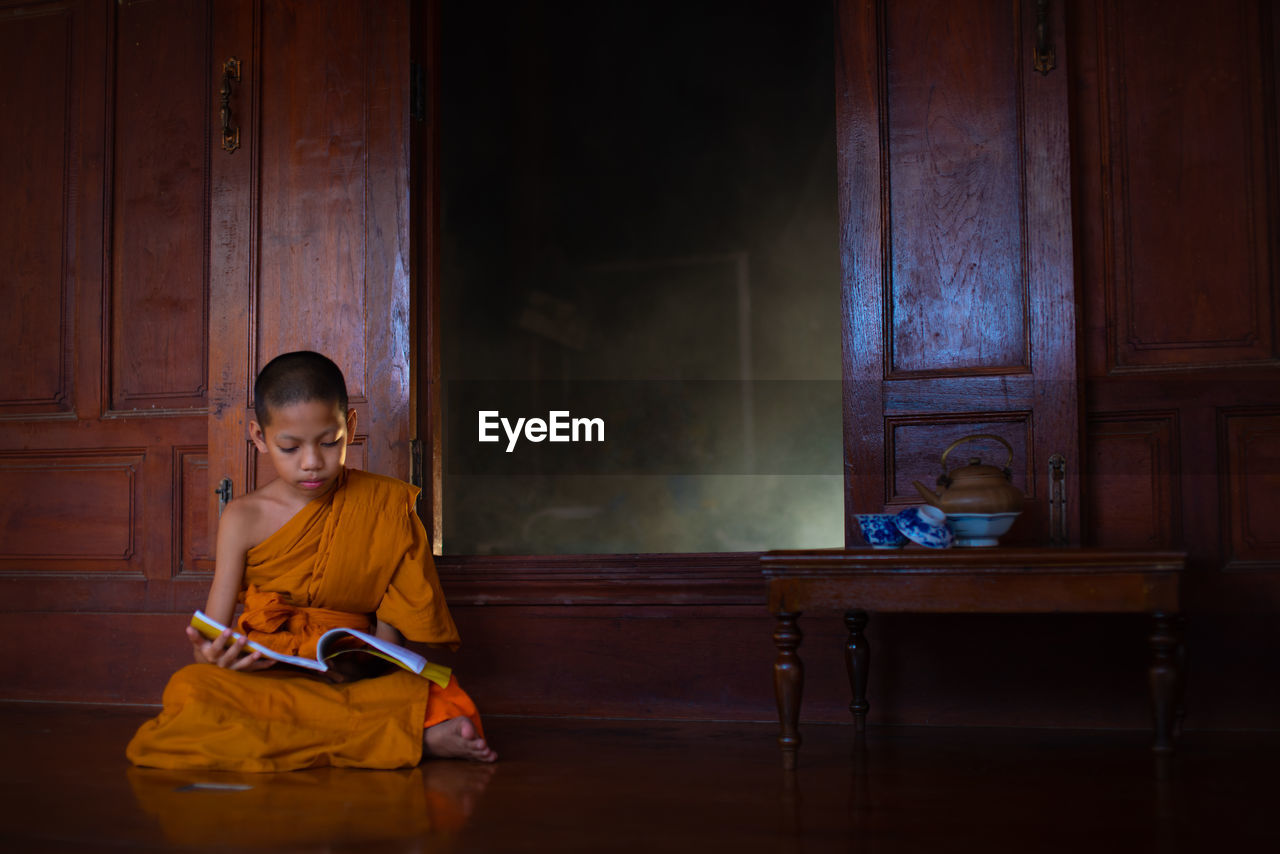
{"x": 570, "y": 785}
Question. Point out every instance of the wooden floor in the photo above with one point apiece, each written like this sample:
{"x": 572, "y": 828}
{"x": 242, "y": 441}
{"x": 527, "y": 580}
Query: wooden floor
{"x": 604, "y": 786}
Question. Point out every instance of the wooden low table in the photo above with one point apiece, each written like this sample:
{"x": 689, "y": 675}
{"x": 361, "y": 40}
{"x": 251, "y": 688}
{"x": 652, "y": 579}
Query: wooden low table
{"x": 967, "y": 581}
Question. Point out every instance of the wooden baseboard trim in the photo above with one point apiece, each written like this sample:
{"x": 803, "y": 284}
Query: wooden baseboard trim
{"x": 677, "y": 579}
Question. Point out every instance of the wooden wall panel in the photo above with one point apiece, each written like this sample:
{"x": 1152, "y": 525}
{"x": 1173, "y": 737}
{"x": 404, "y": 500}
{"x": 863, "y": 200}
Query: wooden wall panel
{"x": 140, "y": 652}
{"x": 1132, "y": 492}
{"x": 926, "y": 670}
{"x": 161, "y": 129}
{"x": 958, "y": 292}
{"x": 635, "y": 662}
{"x": 1185, "y": 123}
{"x": 37, "y": 217}
{"x": 618, "y": 662}
{"x": 1179, "y": 188}
{"x": 75, "y": 509}
{"x": 1251, "y": 503}
{"x": 938, "y": 670}
{"x": 192, "y": 533}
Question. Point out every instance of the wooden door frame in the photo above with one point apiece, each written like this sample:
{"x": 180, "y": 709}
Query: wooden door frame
{"x": 425, "y": 406}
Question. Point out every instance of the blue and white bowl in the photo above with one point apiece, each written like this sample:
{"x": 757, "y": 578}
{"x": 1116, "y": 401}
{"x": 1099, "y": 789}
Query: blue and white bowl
{"x": 879, "y": 531}
{"x": 926, "y": 526}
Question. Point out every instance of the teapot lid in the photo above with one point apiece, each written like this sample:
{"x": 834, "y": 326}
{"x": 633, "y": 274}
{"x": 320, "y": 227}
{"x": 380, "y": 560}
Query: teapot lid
{"x": 975, "y": 466}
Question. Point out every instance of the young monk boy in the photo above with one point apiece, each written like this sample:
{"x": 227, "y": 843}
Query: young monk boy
{"x": 321, "y": 546}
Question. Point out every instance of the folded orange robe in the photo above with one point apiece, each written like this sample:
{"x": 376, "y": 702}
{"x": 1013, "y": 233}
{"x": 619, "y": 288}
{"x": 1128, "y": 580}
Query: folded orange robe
{"x": 357, "y": 552}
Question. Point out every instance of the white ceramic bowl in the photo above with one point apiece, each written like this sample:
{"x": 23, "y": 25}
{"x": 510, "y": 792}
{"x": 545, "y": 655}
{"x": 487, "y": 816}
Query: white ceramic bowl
{"x": 978, "y": 530}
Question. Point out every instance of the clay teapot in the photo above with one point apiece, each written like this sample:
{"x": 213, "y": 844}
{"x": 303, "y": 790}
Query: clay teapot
{"x": 974, "y": 488}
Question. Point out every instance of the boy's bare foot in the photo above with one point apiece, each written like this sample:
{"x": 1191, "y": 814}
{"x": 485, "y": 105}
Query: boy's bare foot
{"x": 456, "y": 738}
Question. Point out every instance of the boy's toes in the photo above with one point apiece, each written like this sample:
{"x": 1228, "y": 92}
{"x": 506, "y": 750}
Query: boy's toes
{"x": 457, "y": 739}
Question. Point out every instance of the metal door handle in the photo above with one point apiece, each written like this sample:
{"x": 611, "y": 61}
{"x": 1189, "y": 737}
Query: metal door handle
{"x": 224, "y": 493}
{"x": 1045, "y": 61}
{"x": 230, "y": 135}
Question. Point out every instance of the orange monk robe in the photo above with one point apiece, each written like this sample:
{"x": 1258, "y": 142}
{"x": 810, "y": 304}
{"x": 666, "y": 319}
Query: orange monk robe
{"x": 357, "y": 552}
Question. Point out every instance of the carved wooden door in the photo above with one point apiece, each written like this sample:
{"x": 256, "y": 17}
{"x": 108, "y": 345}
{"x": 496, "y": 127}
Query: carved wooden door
{"x": 103, "y": 341}
{"x": 956, "y": 238}
{"x": 310, "y": 224}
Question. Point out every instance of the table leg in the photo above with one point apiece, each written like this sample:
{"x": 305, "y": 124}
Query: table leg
{"x": 857, "y": 660}
{"x": 1163, "y": 677}
{"x": 788, "y": 684}
{"x": 1180, "y": 710}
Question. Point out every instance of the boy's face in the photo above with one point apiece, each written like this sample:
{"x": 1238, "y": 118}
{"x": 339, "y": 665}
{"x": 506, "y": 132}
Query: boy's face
{"x": 307, "y": 444}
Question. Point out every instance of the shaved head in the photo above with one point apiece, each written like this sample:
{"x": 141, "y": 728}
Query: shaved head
{"x": 297, "y": 377}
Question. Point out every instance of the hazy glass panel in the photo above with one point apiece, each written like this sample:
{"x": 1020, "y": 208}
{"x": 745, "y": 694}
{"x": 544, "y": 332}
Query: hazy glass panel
{"x": 639, "y": 259}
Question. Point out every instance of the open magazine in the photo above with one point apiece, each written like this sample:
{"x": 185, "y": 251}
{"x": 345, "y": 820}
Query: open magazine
{"x": 334, "y": 643}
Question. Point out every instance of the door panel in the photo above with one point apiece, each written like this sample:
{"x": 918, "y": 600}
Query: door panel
{"x": 1183, "y": 120}
{"x": 1252, "y": 487}
{"x": 914, "y": 445}
{"x": 955, "y": 218}
{"x": 955, "y": 195}
{"x": 37, "y": 340}
{"x": 160, "y": 207}
{"x": 1132, "y": 493}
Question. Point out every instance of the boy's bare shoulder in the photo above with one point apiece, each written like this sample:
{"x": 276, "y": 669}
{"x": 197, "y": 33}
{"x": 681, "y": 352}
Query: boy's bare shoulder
{"x": 248, "y": 520}
{"x": 239, "y": 523}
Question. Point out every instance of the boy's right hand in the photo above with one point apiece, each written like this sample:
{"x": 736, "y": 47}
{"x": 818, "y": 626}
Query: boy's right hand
{"x": 225, "y": 652}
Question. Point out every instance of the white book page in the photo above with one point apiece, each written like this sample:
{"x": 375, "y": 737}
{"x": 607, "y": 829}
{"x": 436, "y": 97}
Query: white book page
{"x": 411, "y": 659}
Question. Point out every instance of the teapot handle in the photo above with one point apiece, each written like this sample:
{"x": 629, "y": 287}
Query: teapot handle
{"x": 1008, "y": 471}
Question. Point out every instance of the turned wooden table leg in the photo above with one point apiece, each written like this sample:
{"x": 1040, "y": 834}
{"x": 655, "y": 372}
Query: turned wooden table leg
{"x": 788, "y": 685}
{"x": 857, "y": 660}
{"x": 1180, "y": 698}
{"x": 1163, "y": 677}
